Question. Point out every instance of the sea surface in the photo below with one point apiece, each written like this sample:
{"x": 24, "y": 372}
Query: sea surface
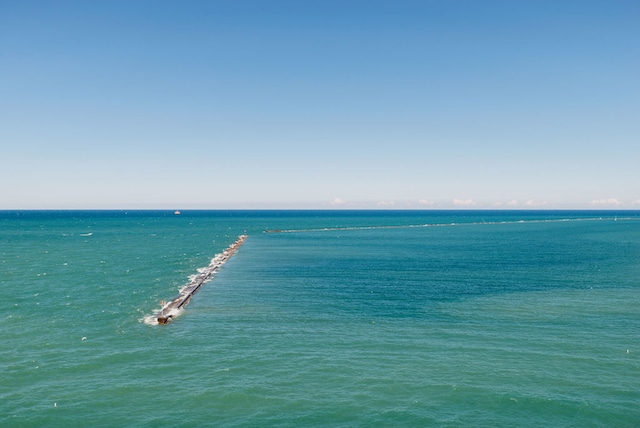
{"x": 329, "y": 319}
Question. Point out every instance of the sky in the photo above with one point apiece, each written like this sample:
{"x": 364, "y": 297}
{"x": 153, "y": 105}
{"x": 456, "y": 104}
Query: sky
{"x": 320, "y": 104}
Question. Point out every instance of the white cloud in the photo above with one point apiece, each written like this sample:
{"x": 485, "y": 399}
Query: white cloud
{"x": 513, "y": 203}
{"x": 611, "y": 202}
{"x": 425, "y": 202}
{"x": 337, "y": 201}
{"x": 464, "y": 202}
{"x": 385, "y": 203}
{"x": 532, "y": 203}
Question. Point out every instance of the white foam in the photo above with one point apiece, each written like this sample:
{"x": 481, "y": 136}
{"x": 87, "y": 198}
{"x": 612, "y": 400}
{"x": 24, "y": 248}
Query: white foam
{"x": 324, "y": 229}
{"x": 150, "y": 320}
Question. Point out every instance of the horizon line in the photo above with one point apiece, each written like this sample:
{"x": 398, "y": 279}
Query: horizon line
{"x": 180, "y": 210}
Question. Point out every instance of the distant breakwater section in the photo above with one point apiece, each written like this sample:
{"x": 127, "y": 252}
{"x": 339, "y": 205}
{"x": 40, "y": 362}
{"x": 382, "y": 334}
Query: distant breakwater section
{"x": 174, "y": 307}
{"x": 475, "y": 223}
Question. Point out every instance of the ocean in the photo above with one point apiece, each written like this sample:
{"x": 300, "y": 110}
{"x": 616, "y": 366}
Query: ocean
{"x": 321, "y": 319}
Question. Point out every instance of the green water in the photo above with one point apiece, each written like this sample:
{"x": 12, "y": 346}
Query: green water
{"x": 500, "y": 319}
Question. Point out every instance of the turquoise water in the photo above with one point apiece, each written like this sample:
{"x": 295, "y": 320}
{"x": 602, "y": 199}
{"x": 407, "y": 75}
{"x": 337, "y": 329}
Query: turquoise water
{"x": 467, "y": 319}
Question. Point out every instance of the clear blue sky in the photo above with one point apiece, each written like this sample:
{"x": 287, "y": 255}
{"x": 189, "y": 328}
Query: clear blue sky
{"x": 320, "y": 104}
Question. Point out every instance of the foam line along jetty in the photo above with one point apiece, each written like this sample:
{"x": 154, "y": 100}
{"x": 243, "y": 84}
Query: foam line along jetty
{"x": 174, "y": 306}
{"x": 475, "y": 223}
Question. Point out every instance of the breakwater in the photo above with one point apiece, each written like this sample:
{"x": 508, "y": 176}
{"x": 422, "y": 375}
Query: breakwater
{"x": 463, "y": 223}
{"x": 173, "y": 307}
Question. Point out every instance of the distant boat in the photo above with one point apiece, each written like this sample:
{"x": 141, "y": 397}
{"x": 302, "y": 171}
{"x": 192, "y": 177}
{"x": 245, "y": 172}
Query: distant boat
{"x": 176, "y": 212}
